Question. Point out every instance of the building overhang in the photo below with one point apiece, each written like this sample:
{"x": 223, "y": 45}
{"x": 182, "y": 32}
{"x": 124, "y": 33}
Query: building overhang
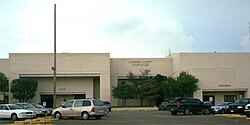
{"x": 62, "y": 93}
{"x": 59, "y": 75}
{"x": 223, "y": 90}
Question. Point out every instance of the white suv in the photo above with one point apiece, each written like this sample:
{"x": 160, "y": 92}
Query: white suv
{"x": 84, "y": 108}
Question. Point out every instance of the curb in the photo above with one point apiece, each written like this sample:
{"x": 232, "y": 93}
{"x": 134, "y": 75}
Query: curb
{"x": 38, "y": 121}
{"x": 233, "y": 116}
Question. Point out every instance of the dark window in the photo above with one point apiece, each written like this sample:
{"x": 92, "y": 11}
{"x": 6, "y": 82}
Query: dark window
{"x": 68, "y": 104}
{"x": 13, "y": 107}
{"x": 197, "y": 101}
{"x": 78, "y": 103}
{"x": 86, "y": 103}
{"x": 5, "y": 107}
{"x": 98, "y": 103}
{"x": 230, "y": 98}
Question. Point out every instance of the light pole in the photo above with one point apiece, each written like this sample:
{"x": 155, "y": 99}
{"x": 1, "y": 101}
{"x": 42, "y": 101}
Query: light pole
{"x": 54, "y": 68}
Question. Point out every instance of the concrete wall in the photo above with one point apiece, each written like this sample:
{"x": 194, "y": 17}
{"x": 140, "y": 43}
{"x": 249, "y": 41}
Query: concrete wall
{"x": 216, "y": 71}
{"x": 65, "y": 86}
{"x": 222, "y": 72}
{"x": 120, "y": 67}
{"x": 5, "y": 66}
{"x": 73, "y": 64}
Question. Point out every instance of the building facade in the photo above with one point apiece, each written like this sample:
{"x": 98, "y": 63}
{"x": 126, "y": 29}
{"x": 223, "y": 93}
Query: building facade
{"x": 222, "y": 76}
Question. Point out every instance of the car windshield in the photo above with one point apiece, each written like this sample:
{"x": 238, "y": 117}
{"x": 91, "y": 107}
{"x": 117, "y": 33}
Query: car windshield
{"x": 182, "y": 100}
{"x": 29, "y": 106}
{"x": 242, "y": 101}
{"x": 221, "y": 104}
{"x": 37, "y": 106}
{"x": 13, "y": 107}
{"x": 98, "y": 103}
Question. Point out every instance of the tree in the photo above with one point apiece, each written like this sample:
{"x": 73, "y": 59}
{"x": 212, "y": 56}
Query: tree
{"x": 3, "y": 83}
{"x": 24, "y": 89}
{"x": 124, "y": 91}
{"x": 160, "y": 81}
{"x": 187, "y": 84}
{"x": 150, "y": 89}
{"x": 139, "y": 81}
{"x": 170, "y": 90}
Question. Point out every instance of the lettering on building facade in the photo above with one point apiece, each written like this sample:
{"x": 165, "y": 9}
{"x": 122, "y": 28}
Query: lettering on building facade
{"x": 140, "y": 62}
{"x": 224, "y": 85}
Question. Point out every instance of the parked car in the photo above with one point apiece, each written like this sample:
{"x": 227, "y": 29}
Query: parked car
{"x": 15, "y": 112}
{"x": 220, "y": 108}
{"x": 238, "y": 106}
{"x": 108, "y": 105}
{"x": 247, "y": 110}
{"x": 163, "y": 106}
{"x": 187, "y": 106}
{"x": 47, "y": 111}
{"x": 39, "y": 112}
{"x": 84, "y": 108}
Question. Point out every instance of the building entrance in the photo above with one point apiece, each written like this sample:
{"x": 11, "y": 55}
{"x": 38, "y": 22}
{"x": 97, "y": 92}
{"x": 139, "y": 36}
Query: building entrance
{"x": 47, "y": 101}
{"x": 210, "y": 98}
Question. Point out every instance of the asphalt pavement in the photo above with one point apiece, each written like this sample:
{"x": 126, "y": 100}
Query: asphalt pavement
{"x": 154, "y": 118}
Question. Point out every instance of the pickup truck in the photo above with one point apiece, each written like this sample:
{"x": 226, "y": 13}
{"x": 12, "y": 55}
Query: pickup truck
{"x": 188, "y": 106}
{"x": 238, "y": 106}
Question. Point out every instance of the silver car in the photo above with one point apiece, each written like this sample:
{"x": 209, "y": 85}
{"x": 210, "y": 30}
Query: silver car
{"x": 46, "y": 111}
{"x": 84, "y": 108}
{"x": 15, "y": 112}
{"x": 39, "y": 112}
{"x": 220, "y": 108}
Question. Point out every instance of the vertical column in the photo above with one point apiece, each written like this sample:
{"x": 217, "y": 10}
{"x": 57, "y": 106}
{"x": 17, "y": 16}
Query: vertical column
{"x": 199, "y": 94}
{"x": 105, "y": 86}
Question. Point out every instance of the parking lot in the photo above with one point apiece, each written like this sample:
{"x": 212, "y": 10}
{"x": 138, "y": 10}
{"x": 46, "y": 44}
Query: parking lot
{"x": 149, "y": 118}
{"x": 155, "y": 118}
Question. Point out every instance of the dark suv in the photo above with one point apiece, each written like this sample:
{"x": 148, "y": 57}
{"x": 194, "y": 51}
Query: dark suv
{"x": 187, "y": 106}
{"x": 238, "y": 106}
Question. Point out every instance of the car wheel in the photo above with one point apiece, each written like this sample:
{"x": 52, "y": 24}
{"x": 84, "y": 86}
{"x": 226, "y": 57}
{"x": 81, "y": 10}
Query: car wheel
{"x": 173, "y": 113}
{"x": 58, "y": 115}
{"x": 14, "y": 117}
{"x": 109, "y": 109}
{"x": 186, "y": 111}
{"x": 85, "y": 115}
{"x": 98, "y": 117}
{"x": 206, "y": 111}
{"x": 222, "y": 111}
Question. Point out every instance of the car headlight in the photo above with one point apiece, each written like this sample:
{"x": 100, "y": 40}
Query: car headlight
{"x": 38, "y": 111}
{"x": 239, "y": 107}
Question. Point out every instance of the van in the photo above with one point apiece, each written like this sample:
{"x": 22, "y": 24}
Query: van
{"x": 84, "y": 108}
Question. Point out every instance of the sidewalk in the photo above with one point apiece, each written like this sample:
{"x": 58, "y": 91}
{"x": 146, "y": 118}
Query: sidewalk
{"x": 133, "y": 109}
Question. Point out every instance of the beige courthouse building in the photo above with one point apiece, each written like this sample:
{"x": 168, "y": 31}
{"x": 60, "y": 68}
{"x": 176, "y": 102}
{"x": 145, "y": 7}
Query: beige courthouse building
{"x": 222, "y": 76}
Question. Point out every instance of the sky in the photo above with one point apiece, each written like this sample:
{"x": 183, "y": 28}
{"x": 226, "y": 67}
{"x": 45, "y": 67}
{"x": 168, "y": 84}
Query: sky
{"x": 124, "y": 28}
